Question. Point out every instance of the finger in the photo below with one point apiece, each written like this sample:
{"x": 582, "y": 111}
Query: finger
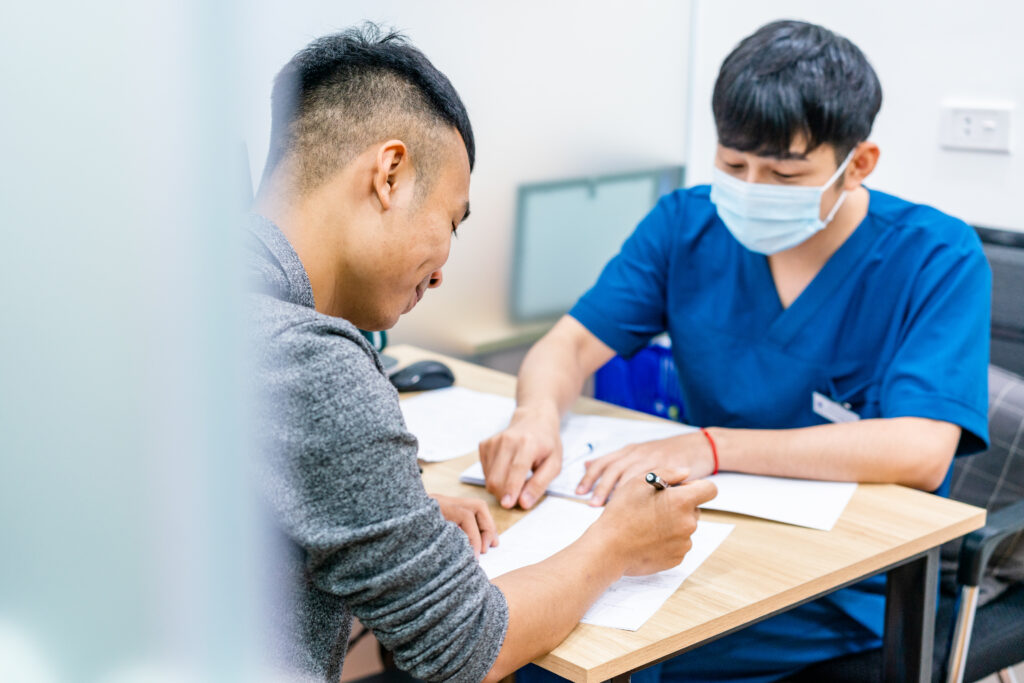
{"x": 592, "y": 472}
{"x": 495, "y": 479}
{"x": 538, "y": 484}
{"x": 467, "y": 522}
{"x": 488, "y": 529}
{"x": 486, "y": 449}
{"x": 595, "y": 468}
{"x": 608, "y": 482}
{"x": 490, "y": 449}
{"x": 518, "y": 470}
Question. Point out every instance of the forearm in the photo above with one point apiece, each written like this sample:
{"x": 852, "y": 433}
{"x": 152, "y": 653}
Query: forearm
{"x": 546, "y": 600}
{"x": 911, "y": 451}
{"x": 553, "y": 372}
{"x": 549, "y": 379}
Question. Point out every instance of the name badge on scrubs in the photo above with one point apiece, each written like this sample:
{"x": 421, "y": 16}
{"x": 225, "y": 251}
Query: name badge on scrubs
{"x": 830, "y": 410}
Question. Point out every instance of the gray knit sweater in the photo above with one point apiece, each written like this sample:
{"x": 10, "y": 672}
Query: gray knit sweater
{"x": 339, "y": 473}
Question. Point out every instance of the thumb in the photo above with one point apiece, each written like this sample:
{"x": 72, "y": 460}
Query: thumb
{"x": 702, "y": 490}
{"x": 673, "y": 475}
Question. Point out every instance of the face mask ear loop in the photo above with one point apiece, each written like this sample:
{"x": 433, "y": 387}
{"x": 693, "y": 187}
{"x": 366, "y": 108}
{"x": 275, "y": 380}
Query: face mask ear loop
{"x": 839, "y": 171}
{"x": 842, "y": 197}
{"x": 835, "y": 209}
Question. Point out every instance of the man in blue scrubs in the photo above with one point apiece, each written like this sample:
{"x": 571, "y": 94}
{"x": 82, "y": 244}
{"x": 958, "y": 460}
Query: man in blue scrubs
{"x": 821, "y": 329}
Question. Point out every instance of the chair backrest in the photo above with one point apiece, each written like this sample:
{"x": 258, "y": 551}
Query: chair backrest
{"x": 1005, "y": 252}
{"x": 993, "y": 480}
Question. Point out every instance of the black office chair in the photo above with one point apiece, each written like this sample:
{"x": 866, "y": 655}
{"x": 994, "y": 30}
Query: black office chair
{"x": 1005, "y": 252}
{"x": 979, "y": 628}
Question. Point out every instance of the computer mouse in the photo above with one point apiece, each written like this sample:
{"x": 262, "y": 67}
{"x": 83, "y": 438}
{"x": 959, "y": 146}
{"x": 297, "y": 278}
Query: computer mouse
{"x": 423, "y": 375}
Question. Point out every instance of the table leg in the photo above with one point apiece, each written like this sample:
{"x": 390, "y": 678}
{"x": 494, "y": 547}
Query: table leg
{"x": 910, "y": 594}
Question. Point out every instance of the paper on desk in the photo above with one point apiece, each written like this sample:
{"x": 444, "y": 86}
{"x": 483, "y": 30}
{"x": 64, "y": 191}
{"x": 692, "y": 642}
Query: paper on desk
{"x": 452, "y": 422}
{"x": 803, "y": 502}
{"x": 585, "y": 437}
{"x": 629, "y": 602}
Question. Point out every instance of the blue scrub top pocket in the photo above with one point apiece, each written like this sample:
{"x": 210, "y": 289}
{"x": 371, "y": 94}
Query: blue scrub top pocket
{"x": 854, "y": 387}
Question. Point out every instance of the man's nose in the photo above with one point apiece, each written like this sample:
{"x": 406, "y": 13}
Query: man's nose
{"x": 435, "y": 279}
{"x": 751, "y": 175}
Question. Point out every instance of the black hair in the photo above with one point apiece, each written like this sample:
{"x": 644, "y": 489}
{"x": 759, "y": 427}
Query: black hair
{"x": 347, "y": 90}
{"x": 790, "y": 79}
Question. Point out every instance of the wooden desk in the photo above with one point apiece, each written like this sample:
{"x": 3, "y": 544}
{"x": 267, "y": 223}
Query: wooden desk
{"x": 761, "y": 569}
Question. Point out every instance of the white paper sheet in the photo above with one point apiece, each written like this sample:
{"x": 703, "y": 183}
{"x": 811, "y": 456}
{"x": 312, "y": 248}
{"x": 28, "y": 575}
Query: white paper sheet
{"x": 629, "y": 602}
{"x": 452, "y": 422}
{"x": 803, "y": 502}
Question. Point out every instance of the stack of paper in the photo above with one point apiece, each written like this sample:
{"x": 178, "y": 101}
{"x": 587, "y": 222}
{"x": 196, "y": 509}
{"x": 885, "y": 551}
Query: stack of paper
{"x": 452, "y": 422}
{"x": 801, "y": 502}
{"x": 629, "y": 602}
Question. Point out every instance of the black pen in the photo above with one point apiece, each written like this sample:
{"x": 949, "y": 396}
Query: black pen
{"x": 655, "y": 481}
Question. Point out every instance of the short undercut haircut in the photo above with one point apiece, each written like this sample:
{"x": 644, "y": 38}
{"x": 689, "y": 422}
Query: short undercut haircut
{"x": 790, "y": 79}
{"x": 347, "y": 91}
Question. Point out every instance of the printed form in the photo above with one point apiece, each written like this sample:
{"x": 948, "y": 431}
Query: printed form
{"x": 449, "y": 423}
{"x": 629, "y": 602}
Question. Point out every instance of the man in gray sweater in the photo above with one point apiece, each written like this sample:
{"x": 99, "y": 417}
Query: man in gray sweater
{"x": 366, "y": 181}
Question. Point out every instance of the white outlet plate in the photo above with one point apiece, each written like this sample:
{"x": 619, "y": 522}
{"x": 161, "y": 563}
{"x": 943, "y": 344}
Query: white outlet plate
{"x": 978, "y": 127}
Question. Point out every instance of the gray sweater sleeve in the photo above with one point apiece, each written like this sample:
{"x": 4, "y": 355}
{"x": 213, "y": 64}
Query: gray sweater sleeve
{"x": 344, "y": 481}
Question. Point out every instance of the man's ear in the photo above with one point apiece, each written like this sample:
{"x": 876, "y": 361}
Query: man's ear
{"x": 865, "y": 158}
{"x": 392, "y": 170}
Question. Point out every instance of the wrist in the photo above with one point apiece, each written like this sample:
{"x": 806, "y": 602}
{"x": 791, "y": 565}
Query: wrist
{"x": 543, "y": 410}
{"x": 713, "y": 447}
{"x": 605, "y": 544}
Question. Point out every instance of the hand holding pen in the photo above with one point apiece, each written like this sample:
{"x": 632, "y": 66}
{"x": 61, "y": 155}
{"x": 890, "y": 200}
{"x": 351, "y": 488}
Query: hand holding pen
{"x": 657, "y": 482}
{"x": 635, "y": 515}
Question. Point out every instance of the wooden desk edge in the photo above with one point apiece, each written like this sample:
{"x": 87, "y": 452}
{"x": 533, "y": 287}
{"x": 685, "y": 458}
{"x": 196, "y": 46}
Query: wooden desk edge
{"x": 762, "y": 609}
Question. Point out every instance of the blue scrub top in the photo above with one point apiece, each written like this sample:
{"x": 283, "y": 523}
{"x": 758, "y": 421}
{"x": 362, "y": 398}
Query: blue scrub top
{"x": 895, "y": 324}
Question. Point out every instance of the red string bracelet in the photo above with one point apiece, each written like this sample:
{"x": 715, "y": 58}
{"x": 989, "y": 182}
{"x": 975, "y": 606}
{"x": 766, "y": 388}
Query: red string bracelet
{"x": 714, "y": 449}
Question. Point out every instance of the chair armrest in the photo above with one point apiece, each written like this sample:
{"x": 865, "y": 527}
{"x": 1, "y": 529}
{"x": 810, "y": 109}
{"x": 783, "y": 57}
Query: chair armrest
{"x": 978, "y": 545}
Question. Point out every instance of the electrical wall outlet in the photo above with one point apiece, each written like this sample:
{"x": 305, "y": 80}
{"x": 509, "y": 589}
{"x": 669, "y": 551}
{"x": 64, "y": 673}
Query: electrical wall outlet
{"x": 984, "y": 128}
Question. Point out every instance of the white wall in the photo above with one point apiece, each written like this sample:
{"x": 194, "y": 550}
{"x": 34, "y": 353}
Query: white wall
{"x": 554, "y": 90}
{"x": 924, "y": 53}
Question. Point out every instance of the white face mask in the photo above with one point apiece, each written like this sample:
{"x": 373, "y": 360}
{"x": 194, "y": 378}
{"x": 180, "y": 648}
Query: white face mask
{"x": 772, "y": 218}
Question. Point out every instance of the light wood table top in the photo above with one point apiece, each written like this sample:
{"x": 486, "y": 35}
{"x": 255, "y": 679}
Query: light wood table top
{"x": 761, "y": 568}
